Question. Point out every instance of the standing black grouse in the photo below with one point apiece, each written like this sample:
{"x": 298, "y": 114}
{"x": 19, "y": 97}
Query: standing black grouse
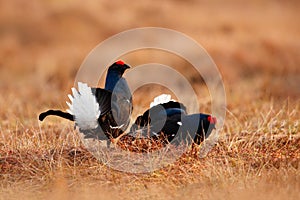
{"x": 100, "y": 113}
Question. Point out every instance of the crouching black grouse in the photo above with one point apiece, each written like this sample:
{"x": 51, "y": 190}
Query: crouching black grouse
{"x": 168, "y": 119}
{"x": 100, "y": 113}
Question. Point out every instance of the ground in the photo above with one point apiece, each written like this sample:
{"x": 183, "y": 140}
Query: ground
{"x": 256, "y": 46}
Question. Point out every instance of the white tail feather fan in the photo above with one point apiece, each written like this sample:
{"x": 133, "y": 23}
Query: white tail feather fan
{"x": 84, "y": 107}
{"x": 163, "y": 98}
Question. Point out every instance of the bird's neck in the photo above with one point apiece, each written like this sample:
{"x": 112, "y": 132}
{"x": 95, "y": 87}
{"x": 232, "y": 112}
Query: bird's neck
{"x": 111, "y": 80}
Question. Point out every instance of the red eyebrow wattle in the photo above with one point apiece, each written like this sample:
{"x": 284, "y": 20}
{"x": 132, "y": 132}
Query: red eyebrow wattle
{"x": 120, "y": 62}
{"x": 212, "y": 120}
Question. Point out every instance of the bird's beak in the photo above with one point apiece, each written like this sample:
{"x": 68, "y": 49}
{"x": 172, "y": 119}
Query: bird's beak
{"x": 127, "y": 67}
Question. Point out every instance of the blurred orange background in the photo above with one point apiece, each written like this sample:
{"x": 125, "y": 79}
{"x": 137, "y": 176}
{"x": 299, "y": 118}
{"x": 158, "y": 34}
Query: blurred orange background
{"x": 255, "y": 44}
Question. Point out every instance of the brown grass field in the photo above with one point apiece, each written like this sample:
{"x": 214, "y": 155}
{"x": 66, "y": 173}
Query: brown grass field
{"x": 255, "y": 44}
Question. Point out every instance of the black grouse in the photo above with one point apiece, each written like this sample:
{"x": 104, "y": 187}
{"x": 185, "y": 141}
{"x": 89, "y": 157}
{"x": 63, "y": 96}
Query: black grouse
{"x": 168, "y": 119}
{"x": 100, "y": 113}
{"x": 104, "y": 114}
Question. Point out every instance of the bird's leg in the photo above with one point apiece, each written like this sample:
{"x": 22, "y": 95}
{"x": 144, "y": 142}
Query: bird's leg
{"x": 108, "y": 142}
{"x": 116, "y": 140}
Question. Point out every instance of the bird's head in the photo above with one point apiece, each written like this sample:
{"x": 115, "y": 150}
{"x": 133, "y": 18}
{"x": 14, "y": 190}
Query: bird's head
{"x": 118, "y": 67}
{"x": 212, "y": 120}
{"x": 209, "y": 124}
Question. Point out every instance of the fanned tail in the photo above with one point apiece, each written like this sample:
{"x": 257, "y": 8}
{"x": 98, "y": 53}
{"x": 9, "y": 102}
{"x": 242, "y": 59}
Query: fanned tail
{"x": 84, "y": 107}
{"x": 161, "y": 99}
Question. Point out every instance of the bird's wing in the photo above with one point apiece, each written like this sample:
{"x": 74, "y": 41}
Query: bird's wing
{"x": 103, "y": 98}
{"x": 122, "y": 104}
{"x": 122, "y": 88}
{"x": 161, "y": 110}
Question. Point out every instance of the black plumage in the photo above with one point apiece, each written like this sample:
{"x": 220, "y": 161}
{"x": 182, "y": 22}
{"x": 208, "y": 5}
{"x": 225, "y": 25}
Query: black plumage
{"x": 121, "y": 99}
{"x": 167, "y": 122}
{"x": 170, "y": 121}
{"x": 115, "y": 104}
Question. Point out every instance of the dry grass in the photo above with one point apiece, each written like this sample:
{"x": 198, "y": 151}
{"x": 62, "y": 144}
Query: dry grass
{"x": 256, "y": 46}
